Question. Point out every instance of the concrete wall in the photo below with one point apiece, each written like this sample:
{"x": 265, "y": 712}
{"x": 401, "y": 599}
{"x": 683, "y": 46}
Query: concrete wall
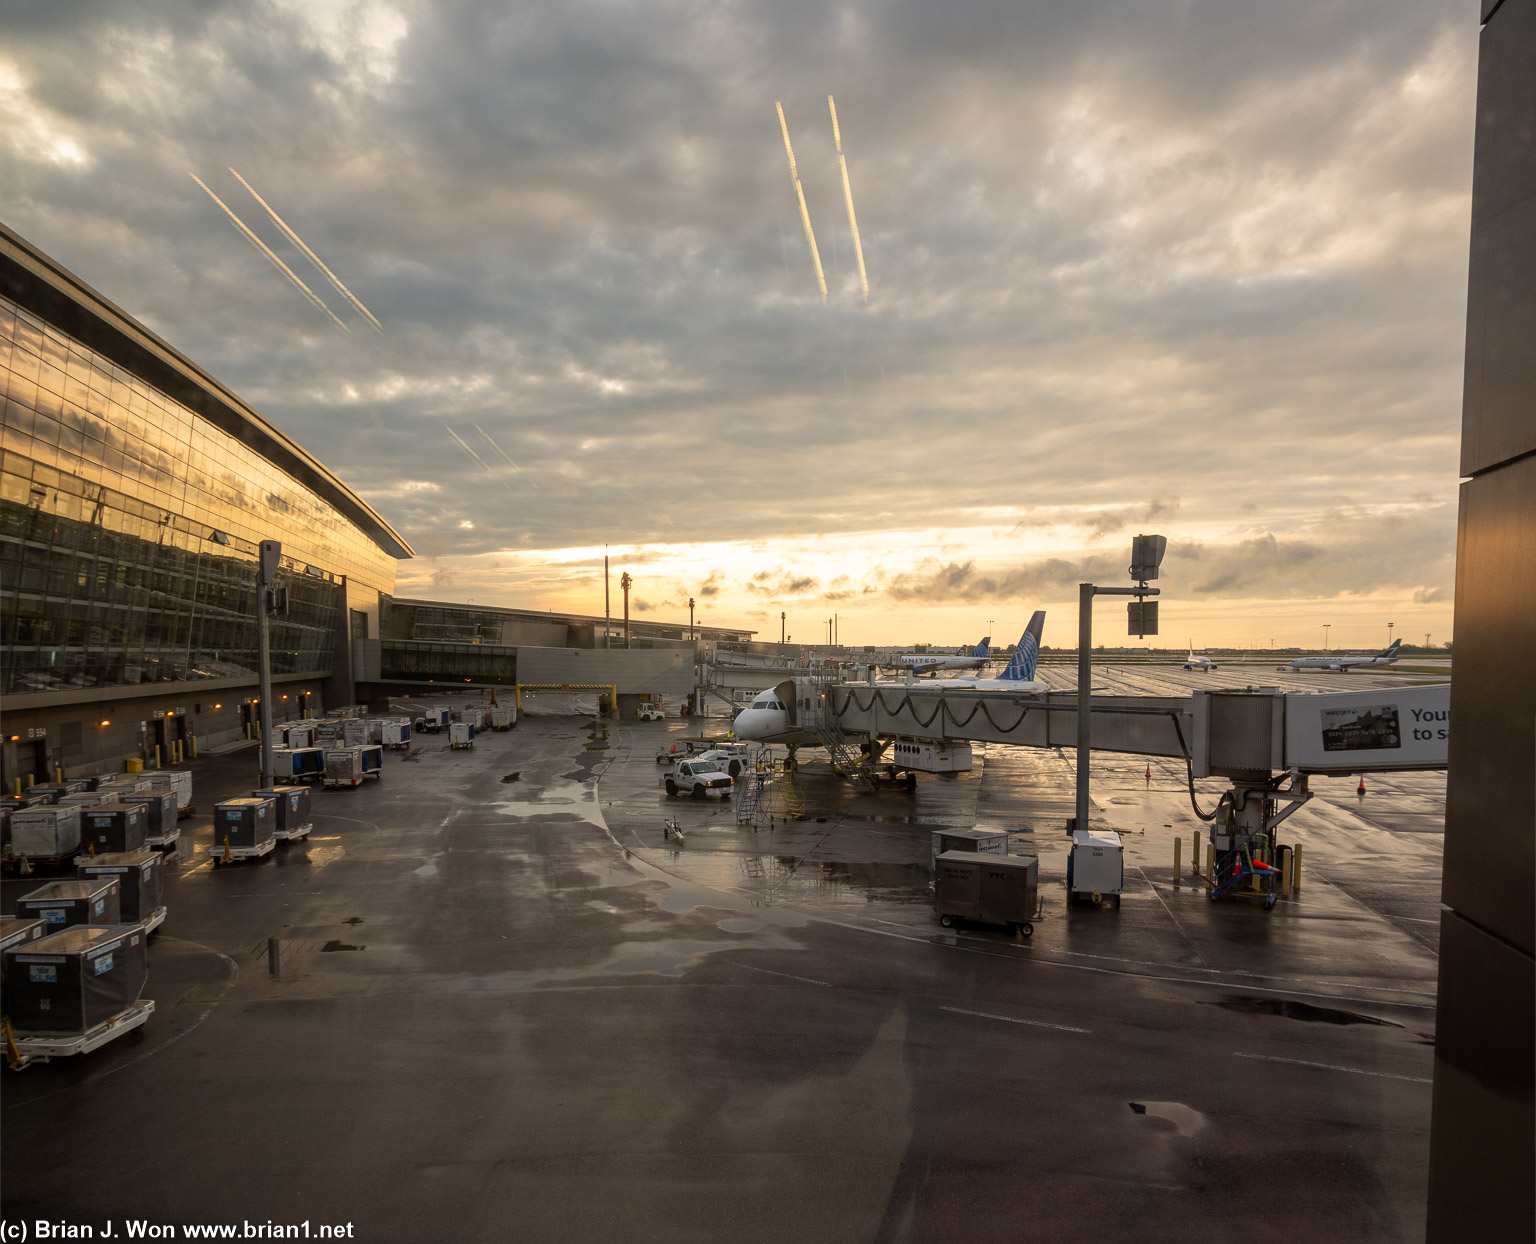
{"x": 1481, "y": 1147}
{"x": 98, "y": 736}
{"x": 637, "y": 671}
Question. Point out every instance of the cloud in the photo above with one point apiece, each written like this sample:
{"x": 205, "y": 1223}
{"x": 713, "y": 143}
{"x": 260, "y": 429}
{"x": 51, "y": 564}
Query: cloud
{"x": 1206, "y": 254}
{"x": 712, "y": 585}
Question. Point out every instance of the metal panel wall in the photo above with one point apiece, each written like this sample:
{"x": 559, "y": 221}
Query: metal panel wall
{"x": 1481, "y": 1144}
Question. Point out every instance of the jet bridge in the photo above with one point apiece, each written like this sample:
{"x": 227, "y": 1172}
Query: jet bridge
{"x": 1268, "y": 742}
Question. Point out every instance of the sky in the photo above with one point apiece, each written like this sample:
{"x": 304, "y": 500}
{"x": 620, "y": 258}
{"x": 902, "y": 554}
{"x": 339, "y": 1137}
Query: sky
{"x": 1191, "y": 267}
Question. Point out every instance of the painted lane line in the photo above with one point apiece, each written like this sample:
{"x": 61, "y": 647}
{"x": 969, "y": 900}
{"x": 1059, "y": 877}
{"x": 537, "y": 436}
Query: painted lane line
{"x": 786, "y": 975}
{"x": 1356, "y": 1071}
{"x": 1009, "y": 1019}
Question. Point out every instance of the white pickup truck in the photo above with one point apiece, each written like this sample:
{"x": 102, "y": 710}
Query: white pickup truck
{"x": 699, "y": 778}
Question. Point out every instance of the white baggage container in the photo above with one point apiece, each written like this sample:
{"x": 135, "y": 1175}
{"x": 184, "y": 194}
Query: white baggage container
{"x": 503, "y": 716}
{"x": 461, "y": 734}
{"x": 981, "y": 841}
{"x": 178, "y": 780}
{"x": 1096, "y": 865}
{"x": 395, "y": 734}
{"x": 45, "y": 833}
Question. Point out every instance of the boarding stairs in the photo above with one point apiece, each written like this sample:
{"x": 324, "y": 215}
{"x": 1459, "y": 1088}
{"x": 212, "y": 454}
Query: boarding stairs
{"x": 845, "y": 760}
{"x": 787, "y": 786}
{"x": 752, "y": 805}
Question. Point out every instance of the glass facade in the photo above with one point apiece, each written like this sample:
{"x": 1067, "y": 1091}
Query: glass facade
{"x": 406, "y": 660}
{"x": 129, "y": 526}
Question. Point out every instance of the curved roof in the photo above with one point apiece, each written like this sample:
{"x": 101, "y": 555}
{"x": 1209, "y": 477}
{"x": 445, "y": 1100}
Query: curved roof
{"x": 55, "y": 294}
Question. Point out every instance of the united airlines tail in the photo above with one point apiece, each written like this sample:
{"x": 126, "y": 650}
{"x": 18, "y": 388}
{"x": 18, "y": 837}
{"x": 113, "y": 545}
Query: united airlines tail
{"x": 1027, "y": 654}
{"x": 980, "y": 650}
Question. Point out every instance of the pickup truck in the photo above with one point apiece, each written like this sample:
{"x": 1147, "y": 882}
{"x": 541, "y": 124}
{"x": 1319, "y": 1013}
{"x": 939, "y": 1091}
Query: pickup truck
{"x": 699, "y": 778}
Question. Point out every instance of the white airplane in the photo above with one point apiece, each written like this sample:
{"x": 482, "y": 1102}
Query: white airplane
{"x": 1198, "y": 663}
{"x": 777, "y": 716}
{"x": 927, "y": 662}
{"x": 1020, "y": 674}
{"x": 1343, "y": 665}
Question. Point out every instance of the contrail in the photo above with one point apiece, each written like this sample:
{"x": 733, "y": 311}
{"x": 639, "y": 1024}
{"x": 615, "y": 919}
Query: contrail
{"x": 315, "y": 259}
{"x": 505, "y": 455}
{"x": 465, "y": 447}
{"x": 267, "y": 251}
{"x": 805, "y": 216}
{"x": 853, "y": 224}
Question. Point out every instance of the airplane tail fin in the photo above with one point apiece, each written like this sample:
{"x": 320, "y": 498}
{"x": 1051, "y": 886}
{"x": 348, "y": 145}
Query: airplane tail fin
{"x": 1027, "y": 654}
{"x": 1391, "y": 649}
{"x": 980, "y": 650}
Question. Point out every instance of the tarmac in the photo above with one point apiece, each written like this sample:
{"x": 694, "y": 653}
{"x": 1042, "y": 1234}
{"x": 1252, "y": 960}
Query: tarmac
{"x": 488, "y": 1000}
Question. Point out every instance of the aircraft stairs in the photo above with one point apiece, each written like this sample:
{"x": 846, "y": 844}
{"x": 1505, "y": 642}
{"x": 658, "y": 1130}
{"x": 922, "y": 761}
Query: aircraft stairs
{"x": 753, "y": 806}
{"x": 845, "y": 760}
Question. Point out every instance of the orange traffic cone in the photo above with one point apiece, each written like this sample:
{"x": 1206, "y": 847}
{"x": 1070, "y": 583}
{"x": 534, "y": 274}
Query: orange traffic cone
{"x": 1149, "y": 773}
{"x": 1360, "y": 790}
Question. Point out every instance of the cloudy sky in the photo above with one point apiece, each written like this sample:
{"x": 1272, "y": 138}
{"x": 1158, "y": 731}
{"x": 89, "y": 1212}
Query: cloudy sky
{"x": 1188, "y": 266}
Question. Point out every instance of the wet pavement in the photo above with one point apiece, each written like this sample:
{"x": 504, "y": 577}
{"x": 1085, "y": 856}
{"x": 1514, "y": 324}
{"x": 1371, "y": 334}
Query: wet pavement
{"x": 477, "y": 1008}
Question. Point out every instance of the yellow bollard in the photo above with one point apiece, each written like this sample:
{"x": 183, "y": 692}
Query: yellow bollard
{"x": 58, "y": 775}
{"x": 1178, "y": 864}
{"x": 31, "y": 780}
{"x": 15, "y": 786}
{"x": 1194, "y": 856}
{"x": 1285, "y": 876}
{"x": 157, "y": 755}
{"x": 194, "y": 747}
{"x": 1296, "y": 870}
{"x": 1210, "y": 863}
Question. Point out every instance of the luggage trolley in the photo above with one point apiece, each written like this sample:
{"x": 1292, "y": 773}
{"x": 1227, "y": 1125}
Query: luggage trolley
{"x": 291, "y": 805}
{"x": 243, "y": 829}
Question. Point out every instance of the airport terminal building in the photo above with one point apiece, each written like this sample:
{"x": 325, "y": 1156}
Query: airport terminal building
{"x": 133, "y": 491}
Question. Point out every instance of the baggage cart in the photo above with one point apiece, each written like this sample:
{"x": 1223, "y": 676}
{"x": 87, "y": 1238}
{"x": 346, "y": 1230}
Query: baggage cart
{"x": 291, "y": 806}
{"x": 112, "y": 828}
{"x": 73, "y": 991}
{"x": 982, "y": 841}
{"x": 343, "y": 766}
{"x": 988, "y": 889}
{"x": 372, "y": 758}
{"x": 45, "y": 834}
{"x": 1095, "y": 865}
{"x": 160, "y": 829}
{"x": 395, "y": 734}
{"x": 298, "y": 764}
{"x": 243, "y": 829}
{"x": 461, "y": 734}
{"x": 503, "y": 716}
{"x": 141, "y": 878}
{"x": 65, "y": 904}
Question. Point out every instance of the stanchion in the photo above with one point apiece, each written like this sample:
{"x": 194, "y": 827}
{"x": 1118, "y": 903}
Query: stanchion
{"x": 1178, "y": 864}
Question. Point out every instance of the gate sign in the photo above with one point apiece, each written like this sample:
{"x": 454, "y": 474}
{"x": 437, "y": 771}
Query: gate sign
{"x": 1346, "y": 732}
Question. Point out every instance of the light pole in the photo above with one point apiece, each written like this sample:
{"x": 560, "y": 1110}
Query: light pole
{"x": 1389, "y": 634}
{"x": 1146, "y": 556}
{"x": 782, "y": 636}
{"x": 1426, "y": 640}
{"x": 607, "y": 608}
{"x": 624, "y": 582}
{"x": 269, "y": 557}
{"x": 1326, "y": 625}
{"x": 691, "y": 635}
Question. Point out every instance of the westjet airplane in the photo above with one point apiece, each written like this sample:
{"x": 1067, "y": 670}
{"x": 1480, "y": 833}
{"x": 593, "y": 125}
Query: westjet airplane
{"x": 927, "y": 662}
{"x": 1343, "y": 665}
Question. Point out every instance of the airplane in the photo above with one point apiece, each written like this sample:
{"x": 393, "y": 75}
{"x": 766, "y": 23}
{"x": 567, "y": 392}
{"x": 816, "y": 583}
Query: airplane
{"x": 1198, "y": 663}
{"x": 1020, "y": 674}
{"x": 775, "y": 715}
{"x": 927, "y": 662}
{"x": 1342, "y": 665}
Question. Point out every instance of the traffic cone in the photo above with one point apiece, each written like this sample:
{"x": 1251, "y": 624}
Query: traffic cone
{"x": 1149, "y": 773}
{"x": 1360, "y": 790}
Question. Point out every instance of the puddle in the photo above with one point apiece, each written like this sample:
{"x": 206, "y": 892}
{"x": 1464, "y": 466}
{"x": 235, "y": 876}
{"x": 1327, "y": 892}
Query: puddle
{"x": 1303, "y": 1011}
{"x": 513, "y": 777}
{"x": 741, "y": 926}
{"x": 333, "y": 945}
{"x": 319, "y": 857}
{"x": 1174, "y": 1115}
{"x": 671, "y": 957}
{"x": 426, "y": 870}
